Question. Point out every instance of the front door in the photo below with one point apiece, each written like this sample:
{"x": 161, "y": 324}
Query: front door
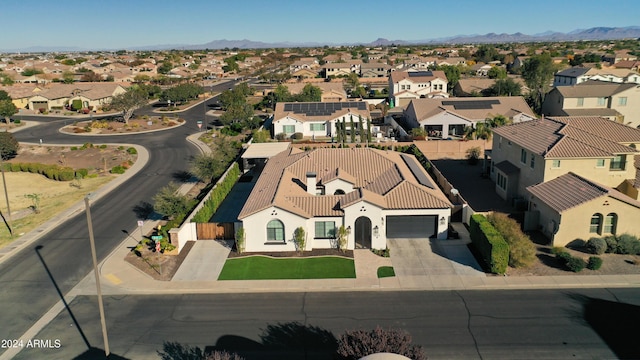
{"x": 363, "y": 232}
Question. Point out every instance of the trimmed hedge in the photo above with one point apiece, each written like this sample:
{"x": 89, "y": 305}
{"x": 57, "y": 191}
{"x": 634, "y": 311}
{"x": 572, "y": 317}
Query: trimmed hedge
{"x": 53, "y": 172}
{"x": 489, "y": 243}
{"x": 218, "y": 194}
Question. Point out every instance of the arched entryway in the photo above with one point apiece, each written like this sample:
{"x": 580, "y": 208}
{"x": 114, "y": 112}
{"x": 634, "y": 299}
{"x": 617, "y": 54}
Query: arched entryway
{"x": 363, "y": 232}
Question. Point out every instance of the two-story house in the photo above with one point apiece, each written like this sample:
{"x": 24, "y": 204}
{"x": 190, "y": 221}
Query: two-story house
{"x": 448, "y": 118}
{"x": 578, "y": 176}
{"x": 317, "y": 119}
{"x": 534, "y": 152}
{"x": 618, "y": 102}
{"x": 405, "y": 86}
{"x": 577, "y": 75}
{"x": 374, "y": 69}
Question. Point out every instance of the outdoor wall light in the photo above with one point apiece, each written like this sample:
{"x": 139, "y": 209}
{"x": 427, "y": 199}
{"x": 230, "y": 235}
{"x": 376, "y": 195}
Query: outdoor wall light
{"x": 348, "y": 230}
{"x": 442, "y": 220}
{"x": 376, "y": 231}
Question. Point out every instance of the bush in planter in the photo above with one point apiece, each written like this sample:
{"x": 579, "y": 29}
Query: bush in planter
{"x": 594, "y": 263}
{"x": 596, "y": 245}
{"x": 628, "y": 244}
{"x": 297, "y": 136}
{"x": 612, "y": 244}
{"x": 281, "y": 136}
{"x": 575, "y": 264}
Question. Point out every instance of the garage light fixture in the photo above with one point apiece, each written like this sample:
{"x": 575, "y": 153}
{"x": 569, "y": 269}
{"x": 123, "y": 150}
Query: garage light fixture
{"x": 376, "y": 231}
{"x": 442, "y": 220}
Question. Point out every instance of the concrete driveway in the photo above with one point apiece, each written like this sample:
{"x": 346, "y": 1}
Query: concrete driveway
{"x": 430, "y": 257}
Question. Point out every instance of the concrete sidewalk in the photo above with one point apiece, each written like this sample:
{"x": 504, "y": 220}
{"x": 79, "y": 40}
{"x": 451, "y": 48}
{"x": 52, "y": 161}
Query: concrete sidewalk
{"x": 204, "y": 262}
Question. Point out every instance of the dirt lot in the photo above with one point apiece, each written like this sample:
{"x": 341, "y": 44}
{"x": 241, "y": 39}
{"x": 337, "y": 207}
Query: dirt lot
{"x": 90, "y": 157}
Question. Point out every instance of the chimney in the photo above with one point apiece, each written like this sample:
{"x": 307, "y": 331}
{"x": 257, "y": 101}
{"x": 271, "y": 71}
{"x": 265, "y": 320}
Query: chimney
{"x": 311, "y": 183}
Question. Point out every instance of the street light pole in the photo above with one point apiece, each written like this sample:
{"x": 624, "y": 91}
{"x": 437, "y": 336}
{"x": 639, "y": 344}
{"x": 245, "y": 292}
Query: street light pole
{"x": 6, "y": 195}
{"x": 95, "y": 271}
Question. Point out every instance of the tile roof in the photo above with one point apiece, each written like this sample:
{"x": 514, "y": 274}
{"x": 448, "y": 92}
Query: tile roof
{"x": 593, "y": 88}
{"x": 473, "y": 109}
{"x": 339, "y": 111}
{"x": 418, "y": 76}
{"x": 573, "y": 72}
{"x": 571, "y": 137}
{"x": 570, "y": 190}
{"x": 378, "y": 177}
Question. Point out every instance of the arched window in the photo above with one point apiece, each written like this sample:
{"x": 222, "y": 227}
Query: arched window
{"x": 275, "y": 230}
{"x": 596, "y": 224}
{"x": 610, "y": 223}
{"x": 339, "y": 192}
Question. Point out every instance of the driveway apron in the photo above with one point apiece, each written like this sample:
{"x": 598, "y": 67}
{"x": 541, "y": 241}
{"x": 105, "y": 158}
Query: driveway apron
{"x": 431, "y": 257}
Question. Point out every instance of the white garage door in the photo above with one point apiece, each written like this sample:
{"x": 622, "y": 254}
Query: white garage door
{"x": 411, "y": 226}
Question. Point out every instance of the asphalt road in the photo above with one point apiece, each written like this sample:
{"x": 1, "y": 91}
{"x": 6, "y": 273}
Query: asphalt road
{"x": 531, "y": 324}
{"x": 29, "y": 281}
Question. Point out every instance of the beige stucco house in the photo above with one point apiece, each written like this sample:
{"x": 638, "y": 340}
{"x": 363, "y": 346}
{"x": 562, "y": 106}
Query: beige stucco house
{"x": 405, "y": 86}
{"x": 317, "y": 119}
{"x": 572, "y": 207}
{"x": 448, "y": 118}
{"x": 58, "y": 96}
{"x": 618, "y": 102}
{"x": 538, "y": 151}
{"x": 375, "y": 195}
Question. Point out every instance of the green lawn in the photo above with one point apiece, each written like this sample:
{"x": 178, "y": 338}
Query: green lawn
{"x": 264, "y": 268}
{"x": 386, "y": 271}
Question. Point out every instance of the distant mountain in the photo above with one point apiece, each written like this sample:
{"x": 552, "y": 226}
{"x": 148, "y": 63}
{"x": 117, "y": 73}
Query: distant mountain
{"x": 596, "y": 33}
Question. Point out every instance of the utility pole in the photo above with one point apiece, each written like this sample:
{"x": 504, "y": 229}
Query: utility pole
{"x": 6, "y": 194}
{"x": 95, "y": 271}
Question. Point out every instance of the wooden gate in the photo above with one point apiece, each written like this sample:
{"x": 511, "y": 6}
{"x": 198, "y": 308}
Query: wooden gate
{"x": 215, "y": 231}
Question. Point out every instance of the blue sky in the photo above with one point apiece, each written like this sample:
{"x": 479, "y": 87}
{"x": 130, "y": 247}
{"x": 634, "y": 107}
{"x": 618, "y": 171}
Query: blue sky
{"x": 115, "y": 24}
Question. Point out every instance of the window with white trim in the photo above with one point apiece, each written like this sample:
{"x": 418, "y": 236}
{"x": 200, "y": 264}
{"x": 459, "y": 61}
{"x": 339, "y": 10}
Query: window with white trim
{"x": 622, "y": 101}
{"x": 288, "y": 129}
{"x": 275, "y": 230}
{"x": 618, "y": 162}
{"x": 523, "y": 156}
{"x": 325, "y": 230}
{"x": 602, "y": 101}
{"x": 595, "y": 227}
{"x": 555, "y": 164}
{"x": 599, "y": 163}
{"x": 317, "y": 127}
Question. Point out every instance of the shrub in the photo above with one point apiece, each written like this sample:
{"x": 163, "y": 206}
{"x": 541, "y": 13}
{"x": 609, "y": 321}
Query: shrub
{"x": 522, "y": 251}
{"x": 218, "y": 194}
{"x": 575, "y": 264}
{"x": 381, "y": 252}
{"x": 355, "y": 344}
{"x": 297, "y": 136}
{"x": 596, "y": 245}
{"x": 473, "y": 154}
{"x": 628, "y": 244}
{"x": 594, "y": 263}
{"x": 82, "y": 173}
{"x": 86, "y": 146}
{"x": 489, "y": 243}
{"x": 612, "y": 244}
{"x": 132, "y": 151}
{"x": 300, "y": 238}
{"x": 16, "y": 121}
{"x": 73, "y": 148}
{"x": 563, "y": 256}
{"x": 118, "y": 169}
{"x": 8, "y": 145}
{"x": 103, "y": 146}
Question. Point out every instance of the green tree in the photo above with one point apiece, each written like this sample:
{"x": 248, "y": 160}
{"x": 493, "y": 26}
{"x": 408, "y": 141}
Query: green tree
{"x": 182, "y": 93}
{"x": 169, "y": 202}
{"x": 31, "y": 71}
{"x": 261, "y": 136}
{"x": 165, "y": 67}
{"x": 352, "y": 81}
{"x": 7, "y": 110}
{"x": 497, "y": 72}
{"x": 363, "y": 137}
{"x": 4, "y": 95}
{"x": 504, "y": 87}
{"x": 282, "y": 94}
{"x": 300, "y": 239}
{"x": 486, "y": 53}
{"x": 352, "y": 130}
{"x": 212, "y": 165}
{"x": 128, "y": 102}
{"x": 8, "y": 145}
{"x": 67, "y": 77}
{"x": 537, "y": 73}
{"x": 310, "y": 93}
{"x": 452, "y": 73}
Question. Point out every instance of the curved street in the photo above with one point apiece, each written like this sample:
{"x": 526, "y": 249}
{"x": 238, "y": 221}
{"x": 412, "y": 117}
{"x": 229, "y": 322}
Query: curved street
{"x": 32, "y": 280}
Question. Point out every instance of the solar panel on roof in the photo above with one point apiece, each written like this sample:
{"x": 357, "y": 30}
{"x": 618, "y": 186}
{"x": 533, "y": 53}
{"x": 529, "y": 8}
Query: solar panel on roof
{"x": 416, "y": 170}
{"x": 288, "y": 107}
{"x": 420, "y": 73}
{"x": 471, "y": 104}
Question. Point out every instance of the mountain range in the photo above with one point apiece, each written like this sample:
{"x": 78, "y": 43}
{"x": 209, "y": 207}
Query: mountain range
{"x": 595, "y": 33}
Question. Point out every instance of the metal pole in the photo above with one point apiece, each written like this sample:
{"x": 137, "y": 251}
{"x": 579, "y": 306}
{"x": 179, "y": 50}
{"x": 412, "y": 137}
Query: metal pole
{"x": 6, "y": 195}
{"x": 95, "y": 271}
